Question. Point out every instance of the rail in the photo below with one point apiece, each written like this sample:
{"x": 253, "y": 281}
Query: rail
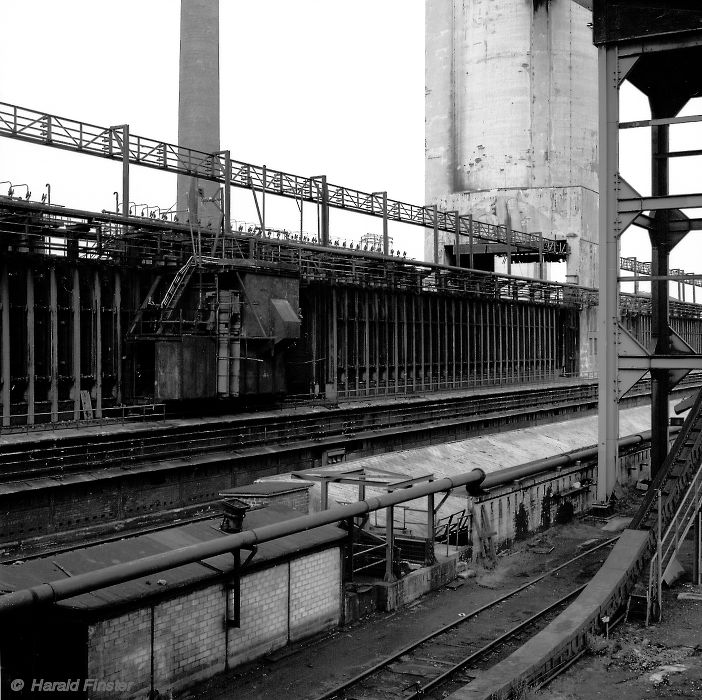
{"x": 29, "y": 228}
{"x": 677, "y": 485}
{"x": 111, "y": 415}
{"x": 371, "y": 677}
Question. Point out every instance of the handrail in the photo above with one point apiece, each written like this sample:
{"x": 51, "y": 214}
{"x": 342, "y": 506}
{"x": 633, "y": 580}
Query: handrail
{"x": 109, "y": 142}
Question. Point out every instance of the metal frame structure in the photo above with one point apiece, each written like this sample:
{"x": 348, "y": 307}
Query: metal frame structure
{"x": 118, "y": 143}
{"x": 379, "y": 479}
{"x": 657, "y": 50}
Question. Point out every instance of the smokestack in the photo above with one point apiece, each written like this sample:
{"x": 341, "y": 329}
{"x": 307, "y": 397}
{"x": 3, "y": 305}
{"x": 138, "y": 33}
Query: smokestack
{"x": 198, "y": 107}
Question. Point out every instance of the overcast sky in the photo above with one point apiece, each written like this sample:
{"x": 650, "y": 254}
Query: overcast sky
{"x": 307, "y": 86}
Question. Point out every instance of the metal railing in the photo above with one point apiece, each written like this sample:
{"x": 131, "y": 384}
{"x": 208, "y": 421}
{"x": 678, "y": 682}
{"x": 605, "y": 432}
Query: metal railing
{"x": 110, "y": 415}
{"x": 117, "y": 143}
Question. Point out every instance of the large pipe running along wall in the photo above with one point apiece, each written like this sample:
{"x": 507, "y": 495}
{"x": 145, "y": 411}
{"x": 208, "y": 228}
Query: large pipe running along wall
{"x": 474, "y": 481}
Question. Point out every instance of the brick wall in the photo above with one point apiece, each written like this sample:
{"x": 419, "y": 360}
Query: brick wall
{"x": 315, "y": 593}
{"x": 189, "y": 637}
{"x": 119, "y": 650}
{"x": 264, "y": 614}
{"x": 281, "y": 603}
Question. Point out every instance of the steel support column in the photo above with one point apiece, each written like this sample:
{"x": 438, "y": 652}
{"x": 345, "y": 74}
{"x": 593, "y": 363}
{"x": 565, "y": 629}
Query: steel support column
{"x": 117, "y": 310}
{"x": 5, "y": 343}
{"x": 389, "y": 543}
{"x": 660, "y": 304}
{"x": 31, "y": 365}
{"x": 75, "y": 344}
{"x": 608, "y": 311}
{"x": 697, "y": 563}
{"x": 324, "y": 212}
{"x": 53, "y": 335}
{"x": 97, "y": 340}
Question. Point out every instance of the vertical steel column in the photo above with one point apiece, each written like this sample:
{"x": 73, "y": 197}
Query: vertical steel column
{"x": 264, "y": 173}
{"x": 469, "y": 338}
{"x": 541, "y": 255}
{"x": 345, "y": 335}
{"x": 117, "y": 310}
{"x": 75, "y": 345}
{"x": 470, "y": 241}
{"x": 386, "y": 327}
{"x": 356, "y": 340}
{"x": 386, "y": 237}
{"x": 430, "y": 527}
{"x": 420, "y": 301}
{"x": 430, "y": 343}
{"x": 31, "y": 364}
{"x": 413, "y": 336}
{"x": 314, "y": 339}
{"x": 324, "y": 212}
{"x": 457, "y": 238}
{"x": 608, "y": 312}
{"x": 453, "y": 339}
{"x": 227, "y": 193}
{"x": 389, "y": 542}
{"x": 5, "y": 361}
{"x": 396, "y": 348}
{"x": 125, "y": 168}
{"x": 447, "y": 354}
{"x": 508, "y": 235}
{"x": 697, "y": 561}
{"x": 366, "y": 306}
{"x": 405, "y": 349}
{"x": 97, "y": 310}
{"x": 376, "y": 309}
{"x": 660, "y": 303}
{"x": 435, "y": 239}
{"x": 53, "y": 334}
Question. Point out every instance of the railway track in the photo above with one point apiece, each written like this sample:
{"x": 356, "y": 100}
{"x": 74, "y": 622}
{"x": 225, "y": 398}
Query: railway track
{"x": 48, "y": 455}
{"x": 451, "y": 656}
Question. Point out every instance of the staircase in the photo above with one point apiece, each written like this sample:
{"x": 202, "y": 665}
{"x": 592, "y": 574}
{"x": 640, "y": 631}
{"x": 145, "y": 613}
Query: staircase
{"x": 674, "y": 499}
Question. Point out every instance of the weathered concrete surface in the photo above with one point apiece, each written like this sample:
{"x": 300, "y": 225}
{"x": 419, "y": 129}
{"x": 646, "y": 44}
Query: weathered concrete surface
{"x": 511, "y": 123}
{"x": 198, "y": 107}
{"x": 391, "y": 596}
{"x": 490, "y": 453}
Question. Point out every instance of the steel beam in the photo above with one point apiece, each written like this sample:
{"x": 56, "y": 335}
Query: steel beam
{"x": 5, "y": 344}
{"x": 117, "y": 311}
{"x": 75, "y": 342}
{"x": 660, "y": 298}
{"x": 53, "y": 336}
{"x": 97, "y": 340}
{"x": 29, "y": 125}
{"x": 661, "y": 362}
{"x": 608, "y": 313}
{"x": 634, "y": 205}
{"x": 31, "y": 368}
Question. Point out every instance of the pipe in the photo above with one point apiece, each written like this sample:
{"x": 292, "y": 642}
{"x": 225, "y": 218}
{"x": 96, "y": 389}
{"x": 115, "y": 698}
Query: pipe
{"x": 126, "y": 571}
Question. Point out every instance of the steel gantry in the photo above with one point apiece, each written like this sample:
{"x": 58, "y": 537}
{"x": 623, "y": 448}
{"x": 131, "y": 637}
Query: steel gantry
{"x": 118, "y": 143}
{"x": 658, "y": 49}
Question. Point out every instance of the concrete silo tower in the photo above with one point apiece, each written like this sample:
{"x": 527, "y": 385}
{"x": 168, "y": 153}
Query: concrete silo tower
{"x": 511, "y": 118}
